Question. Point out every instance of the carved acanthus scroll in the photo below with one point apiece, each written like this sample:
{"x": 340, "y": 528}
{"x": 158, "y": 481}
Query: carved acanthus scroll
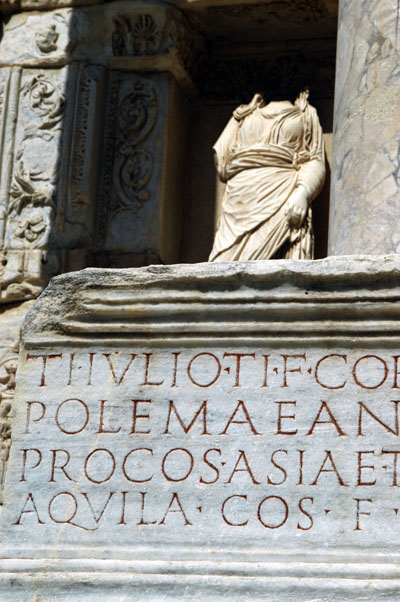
{"x": 133, "y": 164}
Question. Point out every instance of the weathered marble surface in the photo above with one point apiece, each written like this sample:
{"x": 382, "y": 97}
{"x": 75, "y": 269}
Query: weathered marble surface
{"x": 365, "y": 208}
{"x": 147, "y": 398}
{"x": 92, "y": 148}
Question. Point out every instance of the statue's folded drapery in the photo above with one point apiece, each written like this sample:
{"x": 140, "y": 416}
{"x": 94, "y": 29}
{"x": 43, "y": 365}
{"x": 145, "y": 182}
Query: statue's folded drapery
{"x": 264, "y": 153}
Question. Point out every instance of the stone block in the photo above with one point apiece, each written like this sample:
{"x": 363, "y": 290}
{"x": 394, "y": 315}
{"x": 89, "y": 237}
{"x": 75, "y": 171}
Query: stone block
{"x": 211, "y": 431}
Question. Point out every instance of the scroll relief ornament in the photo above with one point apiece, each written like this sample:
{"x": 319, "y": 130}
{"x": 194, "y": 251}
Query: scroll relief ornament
{"x": 34, "y": 181}
{"x": 133, "y": 164}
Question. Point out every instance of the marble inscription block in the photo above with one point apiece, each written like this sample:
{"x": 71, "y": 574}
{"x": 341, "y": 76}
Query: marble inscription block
{"x": 184, "y": 430}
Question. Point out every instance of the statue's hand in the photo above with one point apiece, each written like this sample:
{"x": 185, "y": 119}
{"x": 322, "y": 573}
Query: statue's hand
{"x": 297, "y": 206}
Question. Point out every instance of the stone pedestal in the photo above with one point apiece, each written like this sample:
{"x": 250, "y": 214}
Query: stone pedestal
{"x": 208, "y": 431}
{"x": 365, "y": 195}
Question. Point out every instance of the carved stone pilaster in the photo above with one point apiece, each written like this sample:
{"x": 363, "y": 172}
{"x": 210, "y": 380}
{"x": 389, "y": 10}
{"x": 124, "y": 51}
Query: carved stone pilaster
{"x": 139, "y": 210}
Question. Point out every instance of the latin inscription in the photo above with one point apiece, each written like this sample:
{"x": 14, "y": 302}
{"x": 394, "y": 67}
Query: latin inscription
{"x": 222, "y": 441}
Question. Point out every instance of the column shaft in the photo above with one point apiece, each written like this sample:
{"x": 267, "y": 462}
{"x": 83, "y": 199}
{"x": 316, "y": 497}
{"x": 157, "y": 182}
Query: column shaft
{"x": 365, "y": 195}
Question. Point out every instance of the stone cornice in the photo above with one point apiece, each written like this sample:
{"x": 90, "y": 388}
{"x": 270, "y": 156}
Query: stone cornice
{"x": 344, "y": 297}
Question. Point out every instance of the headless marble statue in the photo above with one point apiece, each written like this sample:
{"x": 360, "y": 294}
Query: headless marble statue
{"x": 273, "y": 162}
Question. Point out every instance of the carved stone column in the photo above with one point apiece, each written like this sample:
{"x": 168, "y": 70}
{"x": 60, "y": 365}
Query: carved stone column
{"x": 365, "y": 197}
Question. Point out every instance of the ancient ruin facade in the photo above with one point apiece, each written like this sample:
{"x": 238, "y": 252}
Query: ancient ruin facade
{"x": 108, "y": 114}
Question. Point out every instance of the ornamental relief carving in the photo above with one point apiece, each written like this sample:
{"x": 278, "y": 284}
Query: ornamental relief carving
{"x": 46, "y": 38}
{"x": 132, "y": 111}
{"x": 135, "y": 35}
{"x": 143, "y": 35}
{"x": 41, "y": 39}
{"x": 36, "y": 162}
{"x": 133, "y": 164}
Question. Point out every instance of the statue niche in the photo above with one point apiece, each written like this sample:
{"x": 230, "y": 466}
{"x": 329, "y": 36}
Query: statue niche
{"x": 272, "y": 158}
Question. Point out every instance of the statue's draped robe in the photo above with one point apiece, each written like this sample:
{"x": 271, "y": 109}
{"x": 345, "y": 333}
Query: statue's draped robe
{"x": 263, "y": 155}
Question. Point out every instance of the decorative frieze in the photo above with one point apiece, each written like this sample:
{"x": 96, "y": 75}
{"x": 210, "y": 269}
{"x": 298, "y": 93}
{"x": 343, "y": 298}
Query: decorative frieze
{"x": 138, "y": 35}
{"x": 46, "y": 38}
{"x": 300, "y": 11}
{"x": 38, "y": 39}
{"x": 145, "y": 36}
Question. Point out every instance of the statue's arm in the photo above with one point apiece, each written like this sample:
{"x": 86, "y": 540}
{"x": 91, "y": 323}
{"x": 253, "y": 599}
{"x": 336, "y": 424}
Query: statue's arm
{"x": 312, "y": 177}
{"x": 312, "y": 173}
